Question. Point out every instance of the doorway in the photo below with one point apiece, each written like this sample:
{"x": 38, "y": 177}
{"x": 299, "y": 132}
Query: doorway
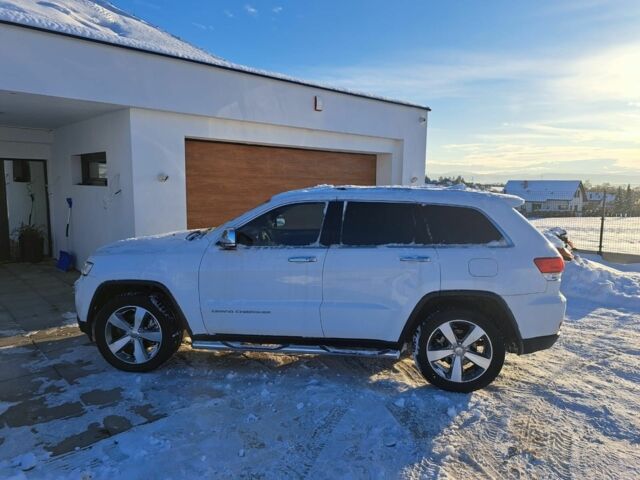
{"x": 24, "y": 202}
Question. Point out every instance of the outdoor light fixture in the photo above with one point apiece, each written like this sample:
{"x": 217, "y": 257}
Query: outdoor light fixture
{"x": 163, "y": 177}
{"x": 317, "y": 104}
{"x": 423, "y": 119}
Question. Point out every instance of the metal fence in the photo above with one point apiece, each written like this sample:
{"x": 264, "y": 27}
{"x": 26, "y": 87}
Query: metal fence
{"x": 598, "y": 234}
{"x": 596, "y": 229}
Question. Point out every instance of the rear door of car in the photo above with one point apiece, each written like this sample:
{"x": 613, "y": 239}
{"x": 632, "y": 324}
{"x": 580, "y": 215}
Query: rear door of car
{"x": 376, "y": 271}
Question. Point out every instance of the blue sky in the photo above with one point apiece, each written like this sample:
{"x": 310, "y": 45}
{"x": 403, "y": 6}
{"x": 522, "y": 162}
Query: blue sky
{"x": 544, "y": 89}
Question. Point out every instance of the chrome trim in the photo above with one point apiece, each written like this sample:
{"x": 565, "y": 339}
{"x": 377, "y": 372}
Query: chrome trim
{"x": 303, "y": 259}
{"x": 294, "y": 349}
{"x": 415, "y": 258}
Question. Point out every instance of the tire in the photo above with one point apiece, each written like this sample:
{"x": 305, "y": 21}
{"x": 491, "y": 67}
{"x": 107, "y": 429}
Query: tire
{"x": 137, "y": 332}
{"x": 449, "y": 355}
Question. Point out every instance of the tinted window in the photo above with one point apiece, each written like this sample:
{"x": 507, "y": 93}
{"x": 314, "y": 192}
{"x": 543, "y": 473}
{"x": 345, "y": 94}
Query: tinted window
{"x": 371, "y": 223}
{"x": 290, "y": 225}
{"x": 445, "y": 225}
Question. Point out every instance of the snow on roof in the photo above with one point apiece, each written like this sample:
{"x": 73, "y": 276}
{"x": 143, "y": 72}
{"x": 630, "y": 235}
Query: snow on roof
{"x": 542, "y": 190}
{"x": 102, "y": 21}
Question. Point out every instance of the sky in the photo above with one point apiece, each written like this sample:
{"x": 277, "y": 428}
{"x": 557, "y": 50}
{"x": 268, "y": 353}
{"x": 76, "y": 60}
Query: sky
{"x": 518, "y": 89}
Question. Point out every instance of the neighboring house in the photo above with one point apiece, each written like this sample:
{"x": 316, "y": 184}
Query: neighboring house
{"x": 594, "y": 199}
{"x": 549, "y": 196}
{"x": 148, "y": 134}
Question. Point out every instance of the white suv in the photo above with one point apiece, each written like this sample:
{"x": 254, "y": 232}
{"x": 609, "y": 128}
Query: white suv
{"x": 457, "y": 277}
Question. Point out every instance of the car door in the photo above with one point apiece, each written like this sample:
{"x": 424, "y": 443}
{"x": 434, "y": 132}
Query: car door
{"x": 376, "y": 273}
{"x": 271, "y": 283}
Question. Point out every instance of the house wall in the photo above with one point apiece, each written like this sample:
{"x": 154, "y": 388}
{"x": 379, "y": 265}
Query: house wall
{"x": 100, "y": 214}
{"x": 158, "y": 146}
{"x": 109, "y": 74}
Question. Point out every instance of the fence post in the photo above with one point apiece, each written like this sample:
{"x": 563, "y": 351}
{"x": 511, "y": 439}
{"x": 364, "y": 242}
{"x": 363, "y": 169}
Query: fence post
{"x": 604, "y": 211}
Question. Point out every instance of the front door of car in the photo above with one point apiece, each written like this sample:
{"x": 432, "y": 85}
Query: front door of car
{"x": 377, "y": 272}
{"x": 271, "y": 283}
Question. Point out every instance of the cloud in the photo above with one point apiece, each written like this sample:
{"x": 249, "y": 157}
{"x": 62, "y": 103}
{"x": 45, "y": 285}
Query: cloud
{"x": 251, "y": 10}
{"x": 499, "y": 112}
{"x": 277, "y": 9}
{"x": 228, "y": 13}
{"x": 201, "y": 26}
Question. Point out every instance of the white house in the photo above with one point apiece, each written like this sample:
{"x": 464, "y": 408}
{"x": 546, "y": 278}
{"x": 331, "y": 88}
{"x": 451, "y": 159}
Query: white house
{"x": 594, "y": 199}
{"x": 147, "y": 134}
{"x": 549, "y": 196}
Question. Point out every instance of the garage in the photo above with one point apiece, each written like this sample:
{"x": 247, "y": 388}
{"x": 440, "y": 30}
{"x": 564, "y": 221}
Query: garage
{"x": 224, "y": 180}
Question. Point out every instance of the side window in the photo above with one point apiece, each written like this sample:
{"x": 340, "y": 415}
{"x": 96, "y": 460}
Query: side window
{"x": 290, "y": 225}
{"x": 447, "y": 225}
{"x": 378, "y": 223}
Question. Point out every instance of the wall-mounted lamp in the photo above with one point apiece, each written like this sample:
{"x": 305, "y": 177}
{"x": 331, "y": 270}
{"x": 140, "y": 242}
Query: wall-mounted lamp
{"x": 317, "y": 104}
{"x": 423, "y": 119}
{"x": 163, "y": 177}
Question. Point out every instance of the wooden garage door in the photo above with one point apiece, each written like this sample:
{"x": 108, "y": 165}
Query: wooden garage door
{"x": 227, "y": 179}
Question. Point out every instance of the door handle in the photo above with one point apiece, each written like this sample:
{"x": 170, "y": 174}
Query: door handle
{"x": 415, "y": 258}
{"x": 303, "y": 259}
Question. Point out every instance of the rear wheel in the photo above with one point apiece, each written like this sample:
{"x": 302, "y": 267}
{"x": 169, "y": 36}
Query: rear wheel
{"x": 458, "y": 350}
{"x": 137, "y": 333}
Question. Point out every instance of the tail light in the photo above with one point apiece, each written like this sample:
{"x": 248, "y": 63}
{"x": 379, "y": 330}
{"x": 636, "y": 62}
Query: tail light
{"x": 550, "y": 267}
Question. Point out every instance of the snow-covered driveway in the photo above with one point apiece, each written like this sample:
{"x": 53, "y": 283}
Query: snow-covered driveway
{"x": 569, "y": 412}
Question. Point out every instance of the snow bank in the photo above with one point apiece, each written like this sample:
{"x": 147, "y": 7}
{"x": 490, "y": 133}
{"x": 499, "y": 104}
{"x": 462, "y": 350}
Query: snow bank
{"x": 589, "y": 280}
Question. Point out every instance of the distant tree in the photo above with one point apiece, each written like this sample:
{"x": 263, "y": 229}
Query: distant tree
{"x": 628, "y": 200}
{"x": 618, "y": 203}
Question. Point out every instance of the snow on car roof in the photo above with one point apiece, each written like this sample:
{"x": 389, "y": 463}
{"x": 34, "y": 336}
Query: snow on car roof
{"x": 103, "y": 22}
{"x": 432, "y": 193}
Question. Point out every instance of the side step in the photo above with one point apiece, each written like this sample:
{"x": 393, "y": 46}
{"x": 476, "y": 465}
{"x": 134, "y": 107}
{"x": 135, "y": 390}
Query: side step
{"x": 293, "y": 349}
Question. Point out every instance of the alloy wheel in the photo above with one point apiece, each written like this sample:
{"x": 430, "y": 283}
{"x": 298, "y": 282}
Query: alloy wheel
{"x": 133, "y": 334}
{"x": 459, "y": 351}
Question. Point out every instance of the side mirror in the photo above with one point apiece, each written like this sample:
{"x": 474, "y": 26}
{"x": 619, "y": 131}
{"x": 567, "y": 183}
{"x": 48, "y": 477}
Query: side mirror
{"x": 228, "y": 239}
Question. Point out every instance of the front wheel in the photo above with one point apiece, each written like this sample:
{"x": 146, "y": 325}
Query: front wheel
{"x": 458, "y": 350}
{"x": 137, "y": 332}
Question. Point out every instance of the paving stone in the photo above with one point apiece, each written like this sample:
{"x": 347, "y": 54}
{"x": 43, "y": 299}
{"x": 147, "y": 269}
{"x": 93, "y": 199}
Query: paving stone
{"x": 27, "y": 386}
{"x": 20, "y": 360}
{"x": 35, "y": 411}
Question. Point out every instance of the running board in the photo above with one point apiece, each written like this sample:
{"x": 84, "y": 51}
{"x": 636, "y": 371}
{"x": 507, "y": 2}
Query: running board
{"x": 294, "y": 349}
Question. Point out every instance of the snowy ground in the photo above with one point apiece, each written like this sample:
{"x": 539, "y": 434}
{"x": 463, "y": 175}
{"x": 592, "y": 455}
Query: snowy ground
{"x": 569, "y": 412}
{"x": 621, "y": 235}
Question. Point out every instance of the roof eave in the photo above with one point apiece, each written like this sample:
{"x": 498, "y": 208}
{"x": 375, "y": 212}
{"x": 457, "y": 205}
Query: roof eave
{"x": 222, "y": 67}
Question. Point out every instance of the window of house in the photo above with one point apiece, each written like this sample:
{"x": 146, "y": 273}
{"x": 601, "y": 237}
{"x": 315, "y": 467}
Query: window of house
{"x": 93, "y": 168}
{"x": 21, "y": 171}
{"x": 287, "y": 226}
{"x": 378, "y": 223}
{"x": 448, "y": 225}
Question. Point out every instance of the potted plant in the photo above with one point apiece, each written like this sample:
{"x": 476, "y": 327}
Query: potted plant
{"x": 30, "y": 243}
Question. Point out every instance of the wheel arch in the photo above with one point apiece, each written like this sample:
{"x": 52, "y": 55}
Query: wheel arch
{"x": 489, "y": 303}
{"x": 111, "y": 288}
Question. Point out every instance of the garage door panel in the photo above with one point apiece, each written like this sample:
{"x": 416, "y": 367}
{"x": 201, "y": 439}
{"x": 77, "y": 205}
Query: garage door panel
{"x": 225, "y": 179}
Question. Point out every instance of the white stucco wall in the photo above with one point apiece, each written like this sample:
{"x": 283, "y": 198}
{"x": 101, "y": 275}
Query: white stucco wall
{"x": 113, "y": 75}
{"x": 158, "y": 146}
{"x": 100, "y": 215}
